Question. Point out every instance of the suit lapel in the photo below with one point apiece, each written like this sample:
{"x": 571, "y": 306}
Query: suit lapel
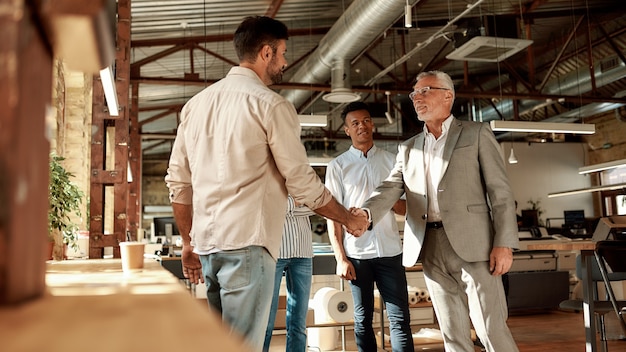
{"x": 415, "y": 164}
{"x": 453, "y": 137}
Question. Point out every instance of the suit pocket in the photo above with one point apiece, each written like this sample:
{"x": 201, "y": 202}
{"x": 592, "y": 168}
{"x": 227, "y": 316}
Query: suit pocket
{"x": 478, "y": 208}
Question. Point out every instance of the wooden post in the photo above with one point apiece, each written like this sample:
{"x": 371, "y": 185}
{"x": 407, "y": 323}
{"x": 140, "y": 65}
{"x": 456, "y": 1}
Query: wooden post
{"x": 25, "y": 94}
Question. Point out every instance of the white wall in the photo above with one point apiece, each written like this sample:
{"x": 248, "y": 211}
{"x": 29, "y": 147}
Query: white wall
{"x": 544, "y": 168}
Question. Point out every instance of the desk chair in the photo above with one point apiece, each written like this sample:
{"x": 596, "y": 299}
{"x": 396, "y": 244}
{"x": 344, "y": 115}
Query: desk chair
{"x": 601, "y": 307}
{"x": 612, "y": 255}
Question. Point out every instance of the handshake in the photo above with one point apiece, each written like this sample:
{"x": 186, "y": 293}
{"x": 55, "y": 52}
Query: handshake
{"x": 358, "y": 222}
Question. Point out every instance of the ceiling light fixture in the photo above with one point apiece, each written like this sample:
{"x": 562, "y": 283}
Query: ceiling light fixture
{"x": 110, "y": 93}
{"x": 313, "y": 120}
{"x": 408, "y": 16}
{"x": 340, "y": 88}
{"x": 588, "y": 190}
{"x": 546, "y": 127}
{"x": 319, "y": 161}
{"x": 512, "y": 158}
{"x": 601, "y": 167}
{"x": 388, "y": 112}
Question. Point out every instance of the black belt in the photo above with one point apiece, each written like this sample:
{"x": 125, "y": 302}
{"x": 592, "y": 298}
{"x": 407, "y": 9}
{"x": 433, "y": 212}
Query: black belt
{"x": 434, "y": 225}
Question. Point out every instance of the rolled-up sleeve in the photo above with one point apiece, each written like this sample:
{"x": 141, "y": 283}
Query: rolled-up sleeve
{"x": 283, "y": 134}
{"x": 178, "y": 178}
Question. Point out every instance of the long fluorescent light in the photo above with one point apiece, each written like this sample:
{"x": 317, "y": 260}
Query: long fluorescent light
{"x": 547, "y": 127}
{"x": 313, "y": 120}
{"x": 587, "y": 190}
{"x": 110, "y": 93}
{"x": 602, "y": 166}
{"x": 319, "y": 161}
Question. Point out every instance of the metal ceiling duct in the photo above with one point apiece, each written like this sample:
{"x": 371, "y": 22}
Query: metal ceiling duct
{"x": 361, "y": 23}
{"x": 576, "y": 82}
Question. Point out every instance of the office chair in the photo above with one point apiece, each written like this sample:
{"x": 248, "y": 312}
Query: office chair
{"x": 601, "y": 307}
{"x": 612, "y": 255}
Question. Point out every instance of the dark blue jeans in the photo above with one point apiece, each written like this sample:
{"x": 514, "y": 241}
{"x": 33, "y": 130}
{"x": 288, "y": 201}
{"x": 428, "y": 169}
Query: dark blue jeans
{"x": 390, "y": 278}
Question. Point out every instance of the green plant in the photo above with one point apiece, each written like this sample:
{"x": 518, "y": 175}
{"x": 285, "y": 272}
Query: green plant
{"x": 65, "y": 199}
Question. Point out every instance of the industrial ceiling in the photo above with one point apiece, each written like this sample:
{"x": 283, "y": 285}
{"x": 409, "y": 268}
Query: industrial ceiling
{"x": 178, "y": 47}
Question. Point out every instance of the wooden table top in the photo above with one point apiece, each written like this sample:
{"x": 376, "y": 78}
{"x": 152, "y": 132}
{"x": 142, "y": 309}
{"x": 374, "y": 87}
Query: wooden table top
{"x": 91, "y": 305}
{"x": 566, "y": 245}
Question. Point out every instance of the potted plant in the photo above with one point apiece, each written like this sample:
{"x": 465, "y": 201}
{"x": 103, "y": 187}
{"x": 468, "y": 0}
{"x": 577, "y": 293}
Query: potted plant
{"x": 64, "y": 201}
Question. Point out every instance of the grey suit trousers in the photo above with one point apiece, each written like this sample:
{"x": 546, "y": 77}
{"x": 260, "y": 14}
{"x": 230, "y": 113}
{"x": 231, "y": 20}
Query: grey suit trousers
{"x": 461, "y": 291}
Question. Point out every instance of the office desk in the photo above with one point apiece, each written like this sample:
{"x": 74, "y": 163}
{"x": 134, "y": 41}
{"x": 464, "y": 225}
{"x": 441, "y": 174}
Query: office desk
{"x": 586, "y": 248}
{"x": 90, "y": 305}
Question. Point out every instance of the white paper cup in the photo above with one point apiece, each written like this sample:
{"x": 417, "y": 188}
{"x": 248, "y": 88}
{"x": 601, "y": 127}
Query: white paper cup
{"x": 132, "y": 256}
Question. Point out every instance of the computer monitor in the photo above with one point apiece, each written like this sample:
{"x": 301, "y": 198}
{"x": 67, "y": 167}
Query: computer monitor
{"x": 574, "y": 218}
{"x": 530, "y": 218}
{"x": 164, "y": 227}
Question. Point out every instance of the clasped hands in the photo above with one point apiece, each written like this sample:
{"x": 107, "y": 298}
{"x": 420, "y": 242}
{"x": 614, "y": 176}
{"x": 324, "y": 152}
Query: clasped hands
{"x": 358, "y": 222}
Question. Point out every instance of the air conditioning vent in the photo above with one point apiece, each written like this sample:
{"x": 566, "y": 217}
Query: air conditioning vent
{"x": 488, "y": 49}
{"x": 609, "y": 64}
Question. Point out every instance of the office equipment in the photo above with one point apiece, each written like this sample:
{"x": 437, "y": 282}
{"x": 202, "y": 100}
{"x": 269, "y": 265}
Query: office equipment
{"x": 574, "y": 224}
{"x": 574, "y": 218}
{"x": 530, "y": 218}
{"x": 612, "y": 225}
{"x": 164, "y": 228}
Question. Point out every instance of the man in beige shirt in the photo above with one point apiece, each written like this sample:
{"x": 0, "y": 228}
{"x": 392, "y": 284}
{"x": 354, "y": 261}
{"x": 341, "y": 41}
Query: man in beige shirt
{"x": 236, "y": 155}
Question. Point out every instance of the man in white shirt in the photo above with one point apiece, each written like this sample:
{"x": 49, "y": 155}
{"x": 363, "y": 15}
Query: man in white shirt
{"x": 376, "y": 256}
{"x": 236, "y": 155}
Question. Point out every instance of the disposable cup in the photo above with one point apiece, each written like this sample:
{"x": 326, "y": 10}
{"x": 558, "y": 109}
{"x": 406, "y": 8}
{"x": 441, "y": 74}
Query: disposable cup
{"x": 132, "y": 256}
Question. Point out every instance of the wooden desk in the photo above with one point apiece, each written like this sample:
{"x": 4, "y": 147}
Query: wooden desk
{"x": 586, "y": 248}
{"x": 90, "y": 305}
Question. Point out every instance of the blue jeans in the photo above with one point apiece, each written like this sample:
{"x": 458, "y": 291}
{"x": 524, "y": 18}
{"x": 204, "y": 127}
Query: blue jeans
{"x": 390, "y": 278}
{"x": 298, "y": 272}
{"x": 239, "y": 286}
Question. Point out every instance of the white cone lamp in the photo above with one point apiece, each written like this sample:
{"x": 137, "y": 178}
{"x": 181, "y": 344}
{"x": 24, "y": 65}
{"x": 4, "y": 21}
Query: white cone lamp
{"x": 512, "y": 158}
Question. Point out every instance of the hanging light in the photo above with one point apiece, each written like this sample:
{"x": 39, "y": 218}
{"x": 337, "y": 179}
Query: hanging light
{"x": 407, "y": 15}
{"x": 388, "y": 112}
{"x": 512, "y": 158}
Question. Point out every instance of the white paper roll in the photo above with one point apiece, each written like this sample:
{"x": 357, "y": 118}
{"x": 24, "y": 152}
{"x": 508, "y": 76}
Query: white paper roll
{"x": 413, "y": 299}
{"x": 333, "y": 306}
{"x": 329, "y": 306}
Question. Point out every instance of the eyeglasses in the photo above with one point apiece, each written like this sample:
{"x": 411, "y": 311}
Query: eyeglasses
{"x": 423, "y": 91}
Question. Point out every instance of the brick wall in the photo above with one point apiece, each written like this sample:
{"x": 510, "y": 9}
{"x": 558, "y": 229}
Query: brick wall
{"x": 70, "y": 135}
{"x": 609, "y": 141}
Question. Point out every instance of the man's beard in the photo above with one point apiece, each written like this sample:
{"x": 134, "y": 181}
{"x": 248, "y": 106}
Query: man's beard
{"x": 275, "y": 77}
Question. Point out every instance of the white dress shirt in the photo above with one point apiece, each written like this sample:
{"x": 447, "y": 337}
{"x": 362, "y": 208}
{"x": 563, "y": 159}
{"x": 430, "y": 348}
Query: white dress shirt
{"x": 351, "y": 178}
{"x": 433, "y": 166}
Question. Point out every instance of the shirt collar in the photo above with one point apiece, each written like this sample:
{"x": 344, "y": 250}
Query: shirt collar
{"x": 445, "y": 126}
{"x": 359, "y": 153}
{"x": 244, "y": 71}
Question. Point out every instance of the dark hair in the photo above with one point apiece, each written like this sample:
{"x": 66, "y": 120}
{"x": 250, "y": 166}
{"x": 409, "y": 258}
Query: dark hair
{"x": 255, "y": 32}
{"x": 354, "y": 106}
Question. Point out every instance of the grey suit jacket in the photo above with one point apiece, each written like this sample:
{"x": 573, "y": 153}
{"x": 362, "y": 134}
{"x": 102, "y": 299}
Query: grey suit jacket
{"x": 475, "y": 200}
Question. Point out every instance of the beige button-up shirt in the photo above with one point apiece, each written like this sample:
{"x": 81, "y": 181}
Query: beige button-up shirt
{"x": 236, "y": 155}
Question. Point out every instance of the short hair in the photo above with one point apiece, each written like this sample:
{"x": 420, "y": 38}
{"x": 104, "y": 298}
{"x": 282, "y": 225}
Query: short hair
{"x": 354, "y": 106}
{"x": 255, "y": 32}
{"x": 441, "y": 76}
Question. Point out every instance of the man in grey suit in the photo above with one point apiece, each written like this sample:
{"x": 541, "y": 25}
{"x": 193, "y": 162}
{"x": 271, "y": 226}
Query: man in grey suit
{"x": 460, "y": 218}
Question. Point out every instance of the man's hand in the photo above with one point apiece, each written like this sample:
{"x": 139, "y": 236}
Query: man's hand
{"x": 192, "y": 268}
{"x": 345, "y": 269}
{"x": 358, "y": 222}
{"x": 500, "y": 260}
